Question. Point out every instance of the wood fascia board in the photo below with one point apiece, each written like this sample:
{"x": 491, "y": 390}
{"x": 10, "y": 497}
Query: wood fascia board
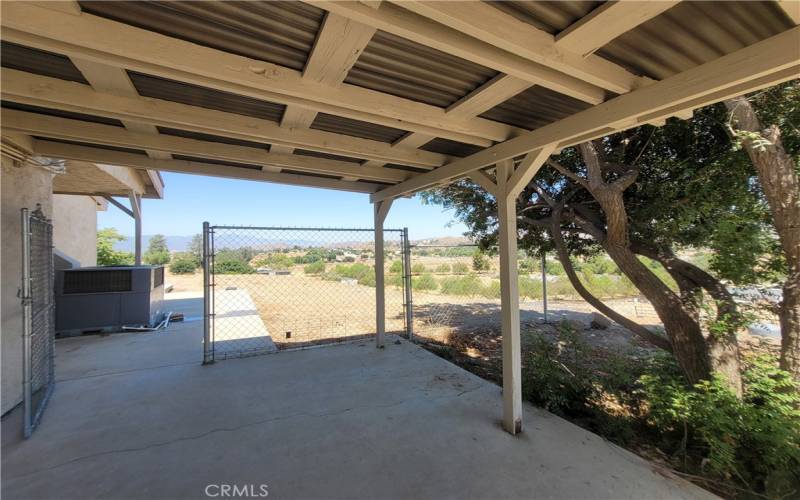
{"x": 27, "y": 88}
{"x": 117, "y": 44}
{"x": 102, "y": 156}
{"x": 757, "y": 66}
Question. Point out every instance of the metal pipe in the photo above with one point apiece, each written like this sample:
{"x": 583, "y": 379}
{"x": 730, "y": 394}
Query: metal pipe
{"x": 544, "y": 285}
{"x": 207, "y": 357}
{"x": 27, "y": 323}
{"x": 407, "y": 285}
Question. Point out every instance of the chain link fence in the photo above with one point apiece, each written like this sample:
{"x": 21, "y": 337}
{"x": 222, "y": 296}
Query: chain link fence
{"x": 38, "y": 306}
{"x": 274, "y": 288}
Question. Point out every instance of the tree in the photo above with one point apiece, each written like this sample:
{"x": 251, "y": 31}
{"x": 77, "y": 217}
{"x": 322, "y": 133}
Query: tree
{"x": 645, "y": 193}
{"x": 196, "y": 247}
{"x": 157, "y": 251}
{"x": 777, "y": 162}
{"x": 480, "y": 262}
{"x": 106, "y": 255}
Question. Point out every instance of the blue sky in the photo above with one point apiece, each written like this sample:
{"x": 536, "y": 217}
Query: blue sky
{"x": 191, "y": 199}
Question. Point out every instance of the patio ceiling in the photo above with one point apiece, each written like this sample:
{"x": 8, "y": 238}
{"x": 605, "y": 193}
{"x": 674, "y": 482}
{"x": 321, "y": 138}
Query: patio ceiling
{"x": 380, "y": 97}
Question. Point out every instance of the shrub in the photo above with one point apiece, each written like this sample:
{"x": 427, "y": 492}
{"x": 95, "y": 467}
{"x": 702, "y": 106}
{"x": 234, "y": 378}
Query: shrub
{"x": 396, "y": 267}
{"x": 156, "y": 258}
{"x": 418, "y": 268}
{"x": 492, "y": 290}
{"x": 424, "y": 282}
{"x": 480, "y": 262}
{"x": 231, "y": 266}
{"x": 460, "y": 268}
{"x": 443, "y": 268}
{"x": 279, "y": 261}
{"x": 530, "y": 288}
{"x": 528, "y": 266}
{"x": 394, "y": 280}
{"x": 106, "y": 255}
{"x": 461, "y": 285}
{"x": 368, "y": 279}
{"x": 182, "y": 266}
{"x": 317, "y": 267}
{"x": 554, "y": 267}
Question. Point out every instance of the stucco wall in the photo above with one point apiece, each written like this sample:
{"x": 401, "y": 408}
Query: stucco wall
{"x": 19, "y": 188}
{"x": 75, "y": 227}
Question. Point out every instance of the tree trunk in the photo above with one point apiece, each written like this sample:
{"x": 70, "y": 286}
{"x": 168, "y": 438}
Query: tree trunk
{"x": 723, "y": 347}
{"x": 684, "y": 332}
{"x": 637, "y": 329}
{"x": 778, "y": 177}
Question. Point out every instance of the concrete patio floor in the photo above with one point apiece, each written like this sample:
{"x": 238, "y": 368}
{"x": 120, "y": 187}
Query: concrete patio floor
{"x": 136, "y": 416}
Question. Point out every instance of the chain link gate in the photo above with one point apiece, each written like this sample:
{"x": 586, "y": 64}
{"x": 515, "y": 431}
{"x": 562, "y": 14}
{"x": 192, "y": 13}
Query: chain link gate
{"x": 269, "y": 289}
{"x": 38, "y": 308}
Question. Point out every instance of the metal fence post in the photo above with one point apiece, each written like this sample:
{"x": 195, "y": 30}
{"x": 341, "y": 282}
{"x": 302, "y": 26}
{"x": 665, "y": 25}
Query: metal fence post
{"x": 544, "y": 285}
{"x": 207, "y": 355}
{"x": 407, "y": 285}
{"x": 27, "y": 319}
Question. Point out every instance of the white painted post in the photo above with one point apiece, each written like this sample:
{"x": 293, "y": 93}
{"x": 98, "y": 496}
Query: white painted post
{"x": 136, "y": 208}
{"x": 509, "y": 299}
{"x": 381, "y": 209}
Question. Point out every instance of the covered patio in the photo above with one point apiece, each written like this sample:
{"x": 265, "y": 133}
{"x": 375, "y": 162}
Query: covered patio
{"x": 135, "y": 415}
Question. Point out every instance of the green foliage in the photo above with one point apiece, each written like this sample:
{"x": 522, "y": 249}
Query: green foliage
{"x": 753, "y": 441}
{"x": 460, "y": 285}
{"x": 317, "y": 267}
{"x": 598, "y": 264}
{"x": 554, "y": 268}
{"x": 182, "y": 265}
{"x": 424, "y": 282}
{"x": 529, "y": 266}
{"x": 156, "y": 258}
{"x": 279, "y": 261}
{"x": 106, "y": 255}
{"x": 394, "y": 280}
{"x": 460, "y": 268}
{"x": 229, "y": 265}
{"x": 480, "y": 262}
{"x": 195, "y": 247}
{"x": 418, "y": 268}
{"x": 530, "y": 288}
{"x": 315, "y": 255}
{"x": 396, "y": 267}
{"x": 443, "y": 268}
{"x": 157, "y": 244}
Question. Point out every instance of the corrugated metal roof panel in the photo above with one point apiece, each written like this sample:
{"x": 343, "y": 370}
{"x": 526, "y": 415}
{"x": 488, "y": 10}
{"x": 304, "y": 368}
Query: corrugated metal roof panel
{"x": 310, "y": 174}
{"x": 403, "y": 68}
{"x": 91, "y": 145}
{"x": 356, "y": 128}
{"x": 40, "y": 62}
{"x": 692, "y": 33}
{"x": 61, "y": 114}
{"x": 551, "y": 17}
{"x": 535, "y": 107}
{"x": 210, "y": 138}
{"x": 451, "y": 148}
{"x": 328, "y": 156}
{"x": 277, "y": 32}
{"x": 185, "y": 93}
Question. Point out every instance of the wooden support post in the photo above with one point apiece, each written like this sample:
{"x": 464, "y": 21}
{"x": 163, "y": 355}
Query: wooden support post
{"x": 381, "y": 209}
{"x": 136, "y": 207}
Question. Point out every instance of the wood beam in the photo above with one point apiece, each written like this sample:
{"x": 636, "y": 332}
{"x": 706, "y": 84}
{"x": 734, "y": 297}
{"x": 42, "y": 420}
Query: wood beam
{"x": 404, "y": 23}
{"x": 792, "y": 9}
{"x": 339, "y": 43}
{"x": 96, "y": 155}
{"x": 119, "y": 205}
{"x": 607, "y": 22}
{"x": 117, "y": 44}
{"x": 109, "y": 135}
{"x": 136, "y": 207}
{"x": 18, "y": 86}
{"x": 757, "y": 66}
{"x": 381, "y": 209}
{"x": 105, "y": 78}
{"x": 499, "y": 29}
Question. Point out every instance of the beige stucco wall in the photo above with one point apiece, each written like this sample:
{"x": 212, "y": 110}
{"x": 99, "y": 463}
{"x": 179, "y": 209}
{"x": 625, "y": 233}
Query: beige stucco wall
{"x": 75, "y": 227}
{"x": 19, "y": 187}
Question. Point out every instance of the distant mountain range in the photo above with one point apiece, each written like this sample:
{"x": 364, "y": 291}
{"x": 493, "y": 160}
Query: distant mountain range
{"x": 174, "y": 243}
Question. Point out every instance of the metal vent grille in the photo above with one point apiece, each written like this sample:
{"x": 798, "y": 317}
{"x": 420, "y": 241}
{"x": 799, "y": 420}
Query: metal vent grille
{"x": 158, "y": 277}
{"x": 97, "y": 281}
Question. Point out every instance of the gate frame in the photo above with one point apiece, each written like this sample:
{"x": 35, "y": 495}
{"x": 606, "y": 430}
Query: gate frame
{"x": 31, "y": 420}
{"x": 208, "y": 282}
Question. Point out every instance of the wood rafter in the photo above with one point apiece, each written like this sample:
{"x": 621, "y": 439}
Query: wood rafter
{"x": 36, "y": 90}
{"x": 117, "y": 44}
{"x": 760, "y": 65}
{"x": 339, "y": 43}
{"x": 502, "y": 31}
{"x": 607, "y": 22}
{"x": 108, "y": 135}
{"x": 96, "y": 155}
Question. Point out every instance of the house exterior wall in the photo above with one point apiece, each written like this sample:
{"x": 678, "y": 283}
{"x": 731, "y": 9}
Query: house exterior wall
{"x": 75, "y": 227}
{"x": 20, "y": 187}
